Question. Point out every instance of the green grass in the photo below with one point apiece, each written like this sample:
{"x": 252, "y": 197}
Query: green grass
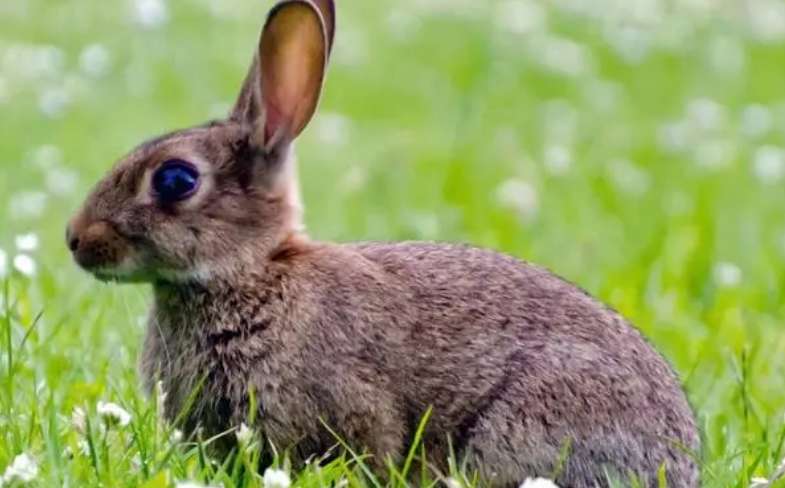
{"x": 437, "y": 123}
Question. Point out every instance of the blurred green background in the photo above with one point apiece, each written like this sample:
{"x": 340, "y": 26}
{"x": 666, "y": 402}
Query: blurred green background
{"x": 635, "y": 147}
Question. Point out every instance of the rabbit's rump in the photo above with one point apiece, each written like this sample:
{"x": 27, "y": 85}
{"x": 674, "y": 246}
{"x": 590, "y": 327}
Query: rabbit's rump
{"x": 530, "y": 375}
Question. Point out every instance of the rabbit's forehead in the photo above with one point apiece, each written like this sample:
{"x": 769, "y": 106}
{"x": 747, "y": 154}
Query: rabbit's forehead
{"x": 210, "y": 144}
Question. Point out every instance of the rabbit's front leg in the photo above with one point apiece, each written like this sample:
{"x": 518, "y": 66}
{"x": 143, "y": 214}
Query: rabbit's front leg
{"x": 330, "y": 411}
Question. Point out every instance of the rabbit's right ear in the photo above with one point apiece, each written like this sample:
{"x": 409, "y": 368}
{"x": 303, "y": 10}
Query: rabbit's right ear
{"x": 282, "y": 90}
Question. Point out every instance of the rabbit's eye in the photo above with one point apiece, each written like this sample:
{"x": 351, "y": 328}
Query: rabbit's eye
{"x": 175, "y": 180}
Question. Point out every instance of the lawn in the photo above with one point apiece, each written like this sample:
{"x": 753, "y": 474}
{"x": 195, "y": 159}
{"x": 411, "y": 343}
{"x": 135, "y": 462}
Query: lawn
{"x": 636, "y": 148}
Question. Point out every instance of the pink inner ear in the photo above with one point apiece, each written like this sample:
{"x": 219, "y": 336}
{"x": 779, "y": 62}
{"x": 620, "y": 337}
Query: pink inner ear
{"x": 292, "y": 54}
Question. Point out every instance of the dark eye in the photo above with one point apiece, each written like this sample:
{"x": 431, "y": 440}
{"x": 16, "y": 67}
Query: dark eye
{"x": 175, "y": 180}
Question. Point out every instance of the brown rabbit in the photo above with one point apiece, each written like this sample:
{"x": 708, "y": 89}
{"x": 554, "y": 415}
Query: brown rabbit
{"x": 518, "y": 365}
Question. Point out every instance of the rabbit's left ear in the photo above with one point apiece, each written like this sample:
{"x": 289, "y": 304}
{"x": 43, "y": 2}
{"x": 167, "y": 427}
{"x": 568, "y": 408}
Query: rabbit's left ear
{"x": 282, "y": 90}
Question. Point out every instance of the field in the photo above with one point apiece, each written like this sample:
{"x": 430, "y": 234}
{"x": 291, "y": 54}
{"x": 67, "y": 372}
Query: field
{"x": 636, "y": 148}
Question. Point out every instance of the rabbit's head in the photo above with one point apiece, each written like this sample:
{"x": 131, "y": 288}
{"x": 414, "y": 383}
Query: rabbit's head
{"x": 210, "y": 199}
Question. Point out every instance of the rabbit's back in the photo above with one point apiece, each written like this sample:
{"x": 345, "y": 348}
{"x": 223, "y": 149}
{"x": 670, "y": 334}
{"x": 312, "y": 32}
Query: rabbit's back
{"x": 517, "y": 363}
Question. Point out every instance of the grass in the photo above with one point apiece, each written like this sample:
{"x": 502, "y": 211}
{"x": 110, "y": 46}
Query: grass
{"x": 633, "y": 152}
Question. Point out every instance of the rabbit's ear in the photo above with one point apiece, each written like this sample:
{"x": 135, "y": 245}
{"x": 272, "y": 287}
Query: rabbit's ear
{"x": 281, "y": 92}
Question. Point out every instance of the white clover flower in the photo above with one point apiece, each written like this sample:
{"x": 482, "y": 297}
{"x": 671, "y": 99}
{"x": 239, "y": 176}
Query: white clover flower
{"x": 561, "y": 55}
{"x": 61, "y": 181}
{"x": 558, "y": 159}
{"x": 452, "y": 483}
{"x": 26, "y": 242}
{"x": 628, "y": 177}
{"x": 714, "y": 154}
{"x": 79, "y": 420}
{"x": 759, "y": 482}
{"x": 520, "y": 196}
{"x": 244, "y": 434}
{"x": 521, "y": 17}
{"x": 538, "y": 483}
{"x": 333, "y": 128}
{"x": 25, "y": 265}
{"x": 151, "y": 13}
{"x": 727, "y": 274}
{"x": 52, "y": 102}
{"x": 94, "y": 60}
{"x": 28, "y": 204}
{"x": 176, "y": 437}
{"x": 727, "y": 55}
{"x": 113, "y": 413}
{"x": 46, "y": 157}
{"x": 23, "y": 469}
{"x": 706, "y": 114}
{"x": 403, "y": 24}
{"x": 756, "y": 120}
{"x": 675, "y": 136}
{"x": 3, "y": 263}
{"x": 769, "y": 164}
{"x": 194, "y": 484}
{"x": 767, "y": 19}
{"x": 276, "y": 478}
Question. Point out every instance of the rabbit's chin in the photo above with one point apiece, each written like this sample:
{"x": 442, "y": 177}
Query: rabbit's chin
{"x": 115, "y": 276}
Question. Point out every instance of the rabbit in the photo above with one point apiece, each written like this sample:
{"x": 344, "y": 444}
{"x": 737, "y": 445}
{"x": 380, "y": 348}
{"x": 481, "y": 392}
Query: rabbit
{"x": 523, "y": 373}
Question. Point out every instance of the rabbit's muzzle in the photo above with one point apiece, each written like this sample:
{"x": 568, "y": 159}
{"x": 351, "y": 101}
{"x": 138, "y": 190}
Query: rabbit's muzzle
{"x": 96, "y": 246}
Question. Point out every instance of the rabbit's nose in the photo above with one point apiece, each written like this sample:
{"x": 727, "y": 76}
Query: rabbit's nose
{"x": 71, "y": 238}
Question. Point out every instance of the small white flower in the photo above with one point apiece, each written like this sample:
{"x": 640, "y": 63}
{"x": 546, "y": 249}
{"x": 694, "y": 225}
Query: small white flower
{"x": 715, "y": 154}
{"x": 25, "y": 265}
{"x": 759, "y": 482}
{"x": 79, "y": 420}
{"x": 176, "y": 437}
{"x": 333, "y": 128}
{"x": 727, "y": 55}
{"x": 727, "y": 274}
{"x": 94, "y": 60}
{"x": 151, "y": 13}
{"x": 521, "y": 17}
{"x": 756, "y": 120}
{"x": 23, "y": 469}
{"x": 194, "y": 484}
{"x": 27, "y": 204}
{"x": 520, "y": 196}
{"x": 3, "y": 263}
{"x": 46, "y": 157}
{"x": 706, "y": 114}
{"x": 769, "y": 164}
{"x": 244, "y": 434}
{"x": 767, "y": 19}
{"x": 53, "y": 101}
{"x": 628, "y": 177}
{"x": 61, "y": 181}
{"x": 26, "y": 242}
{"x": 276, "y": 478}
{"x": 538, "y": 483}
{"x": 561, "y": 55}
{"x": 675, "y": 136}
{"x": 84, "y": 447}
{"x": 113, "y": 413}
{"x": 558, "y": 160}
{"x": 453, "y": 483}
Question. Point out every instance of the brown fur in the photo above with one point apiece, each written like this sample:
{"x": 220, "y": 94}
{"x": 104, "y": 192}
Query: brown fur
{"x": 517, "y": 364}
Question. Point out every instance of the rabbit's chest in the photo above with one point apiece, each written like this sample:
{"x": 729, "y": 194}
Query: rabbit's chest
{"x": 211, "y": 360}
